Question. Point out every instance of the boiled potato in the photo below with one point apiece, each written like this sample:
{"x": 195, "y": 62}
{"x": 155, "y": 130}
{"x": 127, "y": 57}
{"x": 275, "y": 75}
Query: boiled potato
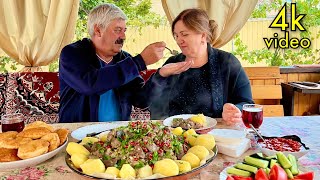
{"x": 127, "y": 171}
{"x": 166, "y": 167}
{"x": 75, "y": 148}
{"x": 87, "y": 140}
{"x": 206, "y": 140}
{"x": 184, "y": 166}
{"x": 92, "y": 166}
{"x": 145, "y": 171}
{"x": 189, "y": 132}
{"x": 177, "y": 131}
{"x": 113, "y": 170}
{"x": 103, "y": 137}
{"x": 199, "y": 151}
{"x": 191, "y": 139}
{"x": 199, "y": 118}
{"x": 192, "y": 159}
{"x": 78, "y": 159}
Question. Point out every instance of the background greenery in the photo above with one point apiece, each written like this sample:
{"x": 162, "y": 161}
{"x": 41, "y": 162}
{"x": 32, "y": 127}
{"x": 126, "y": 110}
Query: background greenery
{"x": 284, "y": 57}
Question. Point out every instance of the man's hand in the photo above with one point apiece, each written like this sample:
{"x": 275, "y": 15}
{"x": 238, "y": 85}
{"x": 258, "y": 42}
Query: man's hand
{"x": 153, "y": 52}
{"x": 231, "y": 114}
{"x": 175, "y": 68}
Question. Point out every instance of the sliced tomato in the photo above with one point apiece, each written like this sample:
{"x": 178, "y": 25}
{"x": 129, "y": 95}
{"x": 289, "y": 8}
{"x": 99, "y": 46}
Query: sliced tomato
{"x": 277, "y": 173}
{"x": 229, "y": 178}
{"x": 261, "y": 175}
{"x": 304, "y": 176}
{"x": 241, "y": 178}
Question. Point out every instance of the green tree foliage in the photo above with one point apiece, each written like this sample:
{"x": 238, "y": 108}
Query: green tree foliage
{"x": 137, "y": 11}
{"x": 284, "y": 57}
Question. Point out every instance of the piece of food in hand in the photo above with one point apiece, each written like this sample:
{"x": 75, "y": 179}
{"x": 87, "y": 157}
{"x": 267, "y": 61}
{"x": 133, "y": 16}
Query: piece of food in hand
{"x": 87, "y": 140}
{"x": 92, "y": 166}
{"x": 127, "y": 172}
{"x": 113, "y": 171}
{"x": 75, "y": 148}
{"x": 177, "y": 131}
{"x": 192, "y": 159}
{"x": 191, "y": 139}
{"x": 184, "y": 166}
{"x": 199, "y": 118}
{"x": 166, "y": 167}
{"x": 206, "y": 140}
{"x": 145, "y": 171}
{"x": 78, "y": 159}
{"x": 199, "y": 151}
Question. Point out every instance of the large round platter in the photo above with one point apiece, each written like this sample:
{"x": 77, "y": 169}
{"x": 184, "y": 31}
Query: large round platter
{"x": 32, "y": 161}
{"x": 186, "y": 175}
{"x": 210, "y": 122}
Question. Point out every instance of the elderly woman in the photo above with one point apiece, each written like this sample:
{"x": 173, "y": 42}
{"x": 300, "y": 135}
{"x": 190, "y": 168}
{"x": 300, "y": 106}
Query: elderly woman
{"x": 201, "y": 79}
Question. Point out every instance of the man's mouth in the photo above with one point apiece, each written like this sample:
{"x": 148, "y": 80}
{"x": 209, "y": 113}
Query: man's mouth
{"x": 119, "y": 41}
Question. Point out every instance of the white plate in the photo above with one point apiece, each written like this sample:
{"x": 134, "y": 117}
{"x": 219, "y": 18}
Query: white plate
{"x": 83, "y": 131}
{"x": 224, "y": 174}
{"x": 32, "y": 161}
{"x": 269, "y": 152}
{"x": 229, "y": 136}
{"x": 210, "y": 122}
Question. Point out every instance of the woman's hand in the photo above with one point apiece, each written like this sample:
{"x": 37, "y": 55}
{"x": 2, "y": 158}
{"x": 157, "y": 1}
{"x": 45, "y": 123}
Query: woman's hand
{"x": 231, "y": 114}
{"x": 174, "y": 68}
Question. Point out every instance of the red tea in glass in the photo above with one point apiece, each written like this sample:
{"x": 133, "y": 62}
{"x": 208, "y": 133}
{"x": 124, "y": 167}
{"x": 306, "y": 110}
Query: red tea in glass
{"x": 252, "y": 114}
{"x": 12, "y": 122}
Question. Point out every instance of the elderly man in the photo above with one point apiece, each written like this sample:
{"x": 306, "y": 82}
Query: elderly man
{"x": 99, "y": 81}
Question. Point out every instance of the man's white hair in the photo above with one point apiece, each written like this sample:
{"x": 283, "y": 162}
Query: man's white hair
{"x": 102, "y": 16}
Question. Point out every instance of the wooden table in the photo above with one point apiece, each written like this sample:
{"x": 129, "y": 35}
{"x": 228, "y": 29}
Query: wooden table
{"x": 288, "y": 96}
{"x": 306, "y": 127}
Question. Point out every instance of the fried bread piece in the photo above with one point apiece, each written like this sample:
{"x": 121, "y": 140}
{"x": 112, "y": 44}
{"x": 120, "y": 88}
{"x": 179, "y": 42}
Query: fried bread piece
{"x": 33, "y": 148}
{"x": 8, "y": 155}
{"x": 34, "y": 133}
{"x": 37, "y": 124}
{"x": 63, "y": 134}
{"x": 8, "y": 134}
{"x": 13, "y": 143}
{"x": 53, "y": 139}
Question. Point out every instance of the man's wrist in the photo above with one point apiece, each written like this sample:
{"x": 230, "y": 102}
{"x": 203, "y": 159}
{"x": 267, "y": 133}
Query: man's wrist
{"x": 138, "y": 60}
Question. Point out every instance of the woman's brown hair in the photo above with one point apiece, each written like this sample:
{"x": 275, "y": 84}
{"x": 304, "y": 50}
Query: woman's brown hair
{"x": 196, "y": 20}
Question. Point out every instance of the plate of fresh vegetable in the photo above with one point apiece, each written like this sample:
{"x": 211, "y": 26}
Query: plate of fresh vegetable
{"x": 260, "y": 167}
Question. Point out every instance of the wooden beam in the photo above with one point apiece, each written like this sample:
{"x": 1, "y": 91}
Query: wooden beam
{"x": 272, "y": 110}
{"x": 266, "y": 92}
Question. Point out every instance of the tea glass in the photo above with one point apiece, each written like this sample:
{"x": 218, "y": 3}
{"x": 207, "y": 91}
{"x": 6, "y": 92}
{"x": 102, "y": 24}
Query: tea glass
{"x": 252, "y": 114}
{"x": 12, "y": 122}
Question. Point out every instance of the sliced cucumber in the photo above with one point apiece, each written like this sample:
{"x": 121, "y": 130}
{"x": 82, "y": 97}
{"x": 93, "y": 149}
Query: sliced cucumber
{"x": 294, "y": 167}
{"x": 283, "y": 160}
{"x": 273, "y": 162}
{"x": 246, "y": 167}
{"x": 238, "y": 172}
{"x": 267, "y": 170}
{"x": 271, "y": 157}
{"x": 289, "y": 173}
{"x": 256, "y": 162}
